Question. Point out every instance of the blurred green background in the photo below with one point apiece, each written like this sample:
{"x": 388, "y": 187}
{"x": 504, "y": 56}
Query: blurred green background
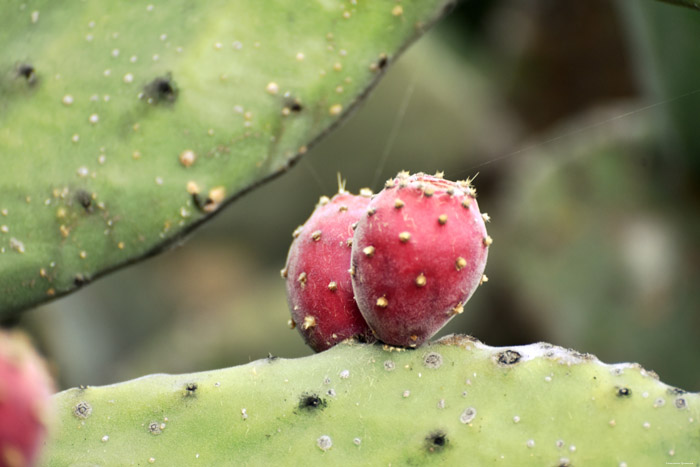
{"x": 582, "y": 119}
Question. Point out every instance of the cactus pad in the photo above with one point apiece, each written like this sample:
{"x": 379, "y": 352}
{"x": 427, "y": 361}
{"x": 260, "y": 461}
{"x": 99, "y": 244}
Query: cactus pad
{"x": 125, "y": 125}
{"x": 361, "y": 404}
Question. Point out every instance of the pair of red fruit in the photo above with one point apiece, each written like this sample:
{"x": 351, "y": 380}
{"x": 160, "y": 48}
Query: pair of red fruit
{"x": 395, "y": 266}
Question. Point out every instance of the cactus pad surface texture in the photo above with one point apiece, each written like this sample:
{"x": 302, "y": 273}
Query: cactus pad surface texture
{"x": 123, "y": 125}
{"x": 453, "y": 402}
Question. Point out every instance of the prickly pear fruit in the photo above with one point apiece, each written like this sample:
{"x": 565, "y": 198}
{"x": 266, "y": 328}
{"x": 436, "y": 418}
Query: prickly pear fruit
{"x": 25, "y": 388}
{"x": 418, "y": 254}
{"x": 319, "y": 288}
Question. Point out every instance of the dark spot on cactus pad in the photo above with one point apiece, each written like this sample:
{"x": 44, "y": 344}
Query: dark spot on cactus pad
{"x": 293, "y": 105}
{"x": 197, "y": 201}
{"x": 82, "y": 409}
{"x": 84, "y": 199}
{"x": 311, "y": 402}
{"x": 201, "y": 203}
{"x": 383, "y": 61}
{"x": 191, "y": 389}
{"x": 564, "y": 463}
{"x": 154, "y": 428}
{"x": 271, "y": 358}
{"x": 436, "y": 441}
{"x": 27, "y": 71}
{"x": 433, "y": 360}
{"x": 161, "y": 89}
{"x": 508, "y": 357}
{"x": 80, "y": 280}
{"x": 623, "y": 392}
{"x": 681, "y": 403}
{"x": 675, "y": 391}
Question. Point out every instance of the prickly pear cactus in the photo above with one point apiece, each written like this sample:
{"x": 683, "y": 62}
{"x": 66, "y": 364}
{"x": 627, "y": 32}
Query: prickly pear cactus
{"x": 123, "y": 125}
{"x": 361, "y": 404}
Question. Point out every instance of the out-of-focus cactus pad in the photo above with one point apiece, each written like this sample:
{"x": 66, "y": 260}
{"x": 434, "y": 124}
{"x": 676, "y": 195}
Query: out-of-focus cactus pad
{"x": 359, "y": 404}
{"x": 124, "y": 125}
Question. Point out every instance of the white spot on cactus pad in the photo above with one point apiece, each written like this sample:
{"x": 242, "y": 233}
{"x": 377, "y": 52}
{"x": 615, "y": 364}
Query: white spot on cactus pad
{"x": 324, "y": 443}
{"x": 335, "y": 109}
{"x": 467, "y": 415}
{"x": 187, "y": 157}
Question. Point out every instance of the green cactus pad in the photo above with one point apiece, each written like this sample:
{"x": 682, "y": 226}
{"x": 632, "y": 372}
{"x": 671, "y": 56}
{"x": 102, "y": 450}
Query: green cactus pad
{"x": 123, "y": 125}
{"x": 455, "y": 402}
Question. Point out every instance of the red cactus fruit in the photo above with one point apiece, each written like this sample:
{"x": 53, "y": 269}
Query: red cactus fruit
{"x": 418, "y": 255}
{"x": 25, "y": 387}
{"x": 319, "y": 288}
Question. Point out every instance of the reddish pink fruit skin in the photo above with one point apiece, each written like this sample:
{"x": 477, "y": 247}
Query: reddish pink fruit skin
{"x": 408, "y": 290}
{"x": 320, "y": 255}
{"x": 25, "y": 388}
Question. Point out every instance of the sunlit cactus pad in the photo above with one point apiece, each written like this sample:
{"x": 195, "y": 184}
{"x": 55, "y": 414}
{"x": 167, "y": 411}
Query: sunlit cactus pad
{"x": 455, "y": 402}
{"x": 124, "y": 124}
